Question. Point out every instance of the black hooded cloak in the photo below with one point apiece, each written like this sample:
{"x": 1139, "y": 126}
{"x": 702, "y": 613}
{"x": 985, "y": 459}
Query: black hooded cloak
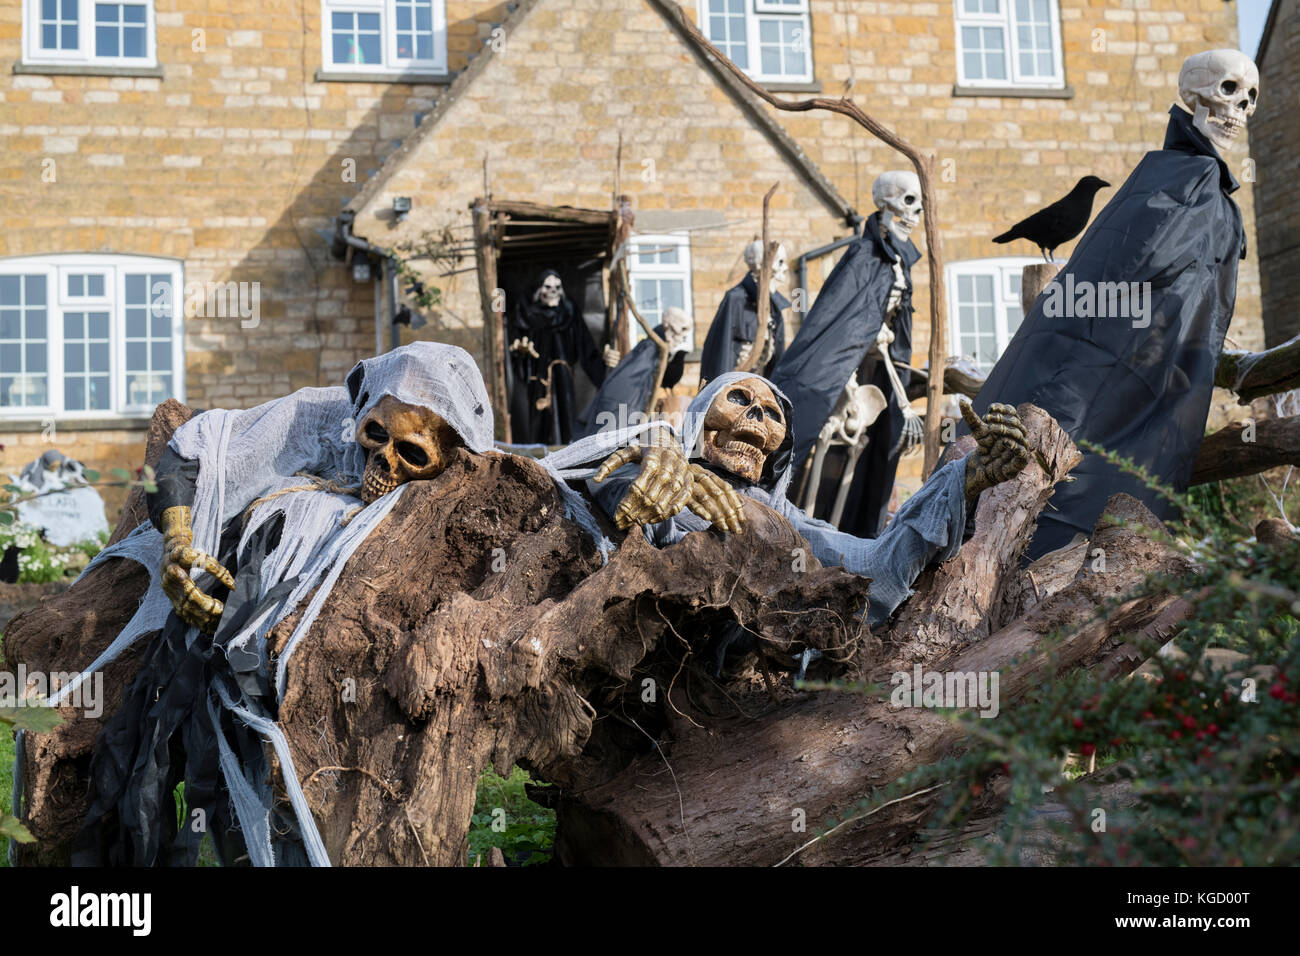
{"x": 838, "y": 337}
{"x": 735, "y": 324}
{"x": 561, "y": 336}
{"x": 628, "y": 386}
{"x": 1138, "y": 383}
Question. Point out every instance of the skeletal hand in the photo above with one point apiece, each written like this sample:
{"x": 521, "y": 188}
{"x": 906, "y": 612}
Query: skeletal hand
{"x": 1001, "y": 452}
{"x": 743, "y": 355}
{"x": 611, "y": 356}
{"x": 179, "y": 556}
{"x": 524, "y": 344}
{"x": 667, "y": 483}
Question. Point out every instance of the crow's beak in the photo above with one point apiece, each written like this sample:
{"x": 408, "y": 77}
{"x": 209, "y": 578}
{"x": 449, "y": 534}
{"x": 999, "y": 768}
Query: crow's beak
{"x": 1104, "y": 185}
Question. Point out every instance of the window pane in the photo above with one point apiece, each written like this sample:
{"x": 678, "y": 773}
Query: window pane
{"x": 160, "y": 356}
{"x": 49, "y": 36}
{"x": 74, "y": 357}
{"x": 11, "y": 290}
{"x": 74, "y": 325}
{"x": 76, "y": 285}
{"x": 133, "y": 13}
{"x": 95, "y": 285}
{"x": 34, "y": 327}
{"x": 100, "y": 393}
{"x": 133, "y": 41}
{"x": 10, "y": 323}
{"x": 70, "y": 36}
{"x": 34, "y": 290}
{"x": 11, "y": 358}
{"x": 137, "y": 356}
{"x": 105, "y": 41}
{"x": 74, "y": 393}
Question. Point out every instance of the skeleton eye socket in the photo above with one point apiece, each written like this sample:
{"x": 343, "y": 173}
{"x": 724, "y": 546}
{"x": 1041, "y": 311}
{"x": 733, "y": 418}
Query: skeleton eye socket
{"x": 772, "y": 412}
{"x": 376, "y": 432}
{"x": 1228, "y": 87}
{"x": 908, "y": 200}
{"x": 412, "y": 453}
{"x": 1252, "y": 94}
{"x": 738, "y": 397}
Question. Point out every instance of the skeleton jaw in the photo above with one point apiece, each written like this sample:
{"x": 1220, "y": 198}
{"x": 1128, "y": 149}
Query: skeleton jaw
{"x": 376, "y": 483}
{"x": 1221, "y": 131}
{"x": 737, "y": 456}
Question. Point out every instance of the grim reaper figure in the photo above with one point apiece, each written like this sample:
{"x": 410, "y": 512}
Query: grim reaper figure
{"x": 255, "y": 510}
{"x": 860, "y": 330}
{"x": 735, "y": 326}
{"x": 629, "y": 386}
{"x": 548, "y": 340}
{"x": 739, "y": 433}
{"x": 1121, "y": 346}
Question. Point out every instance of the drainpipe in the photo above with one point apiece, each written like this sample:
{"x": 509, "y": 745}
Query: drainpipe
{"x": 343, "y": 239}
{"x": 801, "y": 264}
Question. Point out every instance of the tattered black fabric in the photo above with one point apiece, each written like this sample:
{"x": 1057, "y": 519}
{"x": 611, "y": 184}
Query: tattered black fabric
{"x": 165, "y": 734}
{"x": 735, "y": 324}
{"x": 1139, "y": 383}
{"x": 839, "y": 337}
{"x": 628, "y": 387}
{"x": 562, "y": 341}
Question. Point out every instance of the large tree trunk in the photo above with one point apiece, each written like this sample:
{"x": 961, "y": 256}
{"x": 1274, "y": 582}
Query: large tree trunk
{"x": 737, "y": 787}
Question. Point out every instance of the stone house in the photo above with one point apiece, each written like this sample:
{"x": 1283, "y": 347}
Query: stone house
{"x": 1275, "y": 141}
{"x": 198, "y": 197}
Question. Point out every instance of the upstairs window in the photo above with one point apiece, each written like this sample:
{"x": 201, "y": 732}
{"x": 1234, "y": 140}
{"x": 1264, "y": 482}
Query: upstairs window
{"x": 768, "y": 39}
{"x": 89, "y": 336}
{"x": 1009, "y": 43}
{"x": 385, "y": 36}
{"x": 660, "y": 270}
{"x": 89, "y": 32}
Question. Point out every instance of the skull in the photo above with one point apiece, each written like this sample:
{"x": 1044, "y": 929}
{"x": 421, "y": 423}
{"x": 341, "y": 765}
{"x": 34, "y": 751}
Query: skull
{"x": 1220, "y": 88}
{"x": 550, "y": 292}
{"x": 403, "y": 443}
{"x": 743, "y": 425}
{"x": 897, "y": 194}
{"x": 780, "y": 262}
{"x": 677, "y": 327}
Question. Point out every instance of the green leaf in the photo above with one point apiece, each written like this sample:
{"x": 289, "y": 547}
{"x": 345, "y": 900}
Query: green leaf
{"x": 13, "y": 830}
{"x": 13, "y": 489}
{"x": 6, "y": 517}
{"x": 38, "y": 718}
{"x": 150, "y": 487}
{"x": 91, "y": 475}
{"x": 121, "y": 474}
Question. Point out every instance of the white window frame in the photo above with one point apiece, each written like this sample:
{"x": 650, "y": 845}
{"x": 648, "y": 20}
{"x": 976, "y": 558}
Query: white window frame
{"x": 756, "y": 10}
{"x": 1002, "y": 269}
{"x": 681, "y": 269}
{"x": 1005, "y": 19}
{"x": 56, "y": 269}
{"x": 85, "y": 54}
{"x": 387, "y": 10}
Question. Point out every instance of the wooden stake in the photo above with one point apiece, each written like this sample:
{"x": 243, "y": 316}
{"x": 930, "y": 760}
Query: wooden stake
{"x": 764, "y": 293}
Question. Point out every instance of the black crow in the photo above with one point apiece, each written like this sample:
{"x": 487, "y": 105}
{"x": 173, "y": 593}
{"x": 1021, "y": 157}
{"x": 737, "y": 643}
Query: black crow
{"x": 1061, "y": 221}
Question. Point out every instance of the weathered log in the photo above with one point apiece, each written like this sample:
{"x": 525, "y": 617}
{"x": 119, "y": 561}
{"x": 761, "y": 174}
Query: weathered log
{"x": 953, "y": 602}
{"x": 818, "y": 755}
{"x": 1255, "y": 374}
{"x": 1248, "y": 448}
{"x": 960, "y": 377}
{"x": 63, "y": 635}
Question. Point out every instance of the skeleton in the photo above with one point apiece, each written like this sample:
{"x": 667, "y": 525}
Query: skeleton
{"x": 550, "y": 293}
{"x": 858, "y": 407}
{"x": 780, "y": 272}
{"x": 743, "y": 426}
{"x": 897, "y": 194}
{"x": 403, "y": 443}
{"x": 1220, "y": 87}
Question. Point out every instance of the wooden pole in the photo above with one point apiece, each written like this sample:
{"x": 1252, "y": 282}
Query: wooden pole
{"x": 924, "y": 166}
{"x": 494, "y": 346}
{"x": 764, "y": 294}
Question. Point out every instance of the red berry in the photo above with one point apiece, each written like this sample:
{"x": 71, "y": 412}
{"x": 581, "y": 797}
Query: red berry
{"x": 1200, "y": 735}
{"x": 1147, "y": 715}
{"x": 1078, "y": 723}
{"x": 1088, "y": 750}
{"x": 1277, "y": 691}
{"x": 1177, "y": 735}
{"x": 1212, "y": 728}
{"x": 1189, "y": 723}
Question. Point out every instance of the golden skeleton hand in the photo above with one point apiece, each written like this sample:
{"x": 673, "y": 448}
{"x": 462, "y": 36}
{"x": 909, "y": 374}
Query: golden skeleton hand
{"x": 179, "y": 556}
{"x": 1001, "y": 452}
{"x": 667, "y": 483}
